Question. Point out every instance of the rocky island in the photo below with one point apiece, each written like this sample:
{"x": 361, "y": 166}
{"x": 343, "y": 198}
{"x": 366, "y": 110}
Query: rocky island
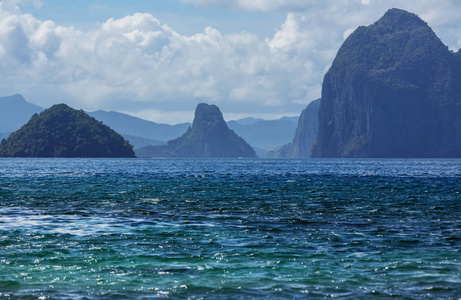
{"x": 62, "y": 131}
{"x": 393, "y": 90}
{"x": 305, "y": 136}
{"x": 209, "y": 137}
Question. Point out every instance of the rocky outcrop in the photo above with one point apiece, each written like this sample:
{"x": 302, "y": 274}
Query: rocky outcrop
{"x": 305, "y": 136}
{"x": 209, "y": 137}
{"x": 61, "y": 131}
{"x": 393, "y": 90}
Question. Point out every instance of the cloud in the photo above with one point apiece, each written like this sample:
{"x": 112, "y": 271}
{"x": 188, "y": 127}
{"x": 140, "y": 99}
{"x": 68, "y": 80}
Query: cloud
{"x": 13, "y": 5}
{"x": 256, "y": 5}
{"x": 139, "y": 64}
{"x": 443, "y": 16}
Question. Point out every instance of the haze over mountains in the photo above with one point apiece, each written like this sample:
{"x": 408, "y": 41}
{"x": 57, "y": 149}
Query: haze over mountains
{"x": 208, "y": 137}
{"x": 266, "y": 134}
{"x": 62, "y": 131}
{"x": 140, "y": 131}
{"x": 393, "y": 90}
{"x": 261, "y": 134}
{"x": 15, "y": 111}
{"x": 305, "y": 136}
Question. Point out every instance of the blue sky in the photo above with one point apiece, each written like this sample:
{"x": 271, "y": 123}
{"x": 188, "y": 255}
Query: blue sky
{"x": 186, "y": 18}
{"x": 158, "y": 59}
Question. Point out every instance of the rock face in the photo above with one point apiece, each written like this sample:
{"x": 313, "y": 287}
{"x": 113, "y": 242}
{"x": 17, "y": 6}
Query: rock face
{"x": 61, "y": 131}
{"x": 208, "y": 137}
{"x": 305, "y": 136}
{"x": 393, "y": 90}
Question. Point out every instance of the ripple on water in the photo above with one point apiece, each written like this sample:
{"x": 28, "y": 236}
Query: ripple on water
{"x": 104, "y": 229}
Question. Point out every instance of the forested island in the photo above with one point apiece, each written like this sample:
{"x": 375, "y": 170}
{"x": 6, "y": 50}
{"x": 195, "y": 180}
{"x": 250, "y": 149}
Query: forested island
{"x": 62, "y": 131}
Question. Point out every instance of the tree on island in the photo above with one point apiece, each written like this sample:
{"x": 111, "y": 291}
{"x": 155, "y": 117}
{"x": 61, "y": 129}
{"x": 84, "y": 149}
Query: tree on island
{"x": 393, "y": 90}
{"x": 62, "y": 131}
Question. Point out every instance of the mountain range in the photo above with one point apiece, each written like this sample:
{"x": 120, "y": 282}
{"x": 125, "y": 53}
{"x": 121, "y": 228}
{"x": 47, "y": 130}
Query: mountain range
{"x": 15, "y": 111}
{"x": 208, "y": 137}
{"x": 134, "y": 127}
{"x": 265, "y": 134}
{"x": 261, "y": 134}
{"x": 305, "y": 136}
{"x": 392, "y": 91}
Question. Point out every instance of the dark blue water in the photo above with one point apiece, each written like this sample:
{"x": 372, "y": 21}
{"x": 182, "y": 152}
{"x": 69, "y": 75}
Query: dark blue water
{"x": 287, "y": 229}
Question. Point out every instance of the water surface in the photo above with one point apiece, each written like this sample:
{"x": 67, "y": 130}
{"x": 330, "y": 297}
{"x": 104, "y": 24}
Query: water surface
{"x": 141, "y": 229}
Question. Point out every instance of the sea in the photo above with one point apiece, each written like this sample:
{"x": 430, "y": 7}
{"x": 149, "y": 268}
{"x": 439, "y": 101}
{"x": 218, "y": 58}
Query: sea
{"x": 230, "y": 228}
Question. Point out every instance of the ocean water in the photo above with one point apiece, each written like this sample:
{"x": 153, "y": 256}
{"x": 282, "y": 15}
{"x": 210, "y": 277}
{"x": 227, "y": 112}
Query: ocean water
{"x": 229, "y": 229}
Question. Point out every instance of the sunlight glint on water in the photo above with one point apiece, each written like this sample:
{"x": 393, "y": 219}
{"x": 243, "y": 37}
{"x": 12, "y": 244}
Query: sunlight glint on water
{"x": 103, "y": 228}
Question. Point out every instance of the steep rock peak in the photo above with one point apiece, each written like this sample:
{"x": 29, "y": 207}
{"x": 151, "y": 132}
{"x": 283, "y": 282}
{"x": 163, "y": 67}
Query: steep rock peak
{"x": 398, "y": 19}
{"x": 398, "y": 41}
{"x": 209, "y": 136}
{"x": 393, "y": 90}
{"x": 207, "y": 114}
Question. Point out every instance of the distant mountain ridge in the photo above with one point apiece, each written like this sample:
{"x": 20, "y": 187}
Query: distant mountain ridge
{"x": 257, "y": 132}
{"x": 305, "y": 136}
{"x": 15, "y": 111}
{"x": 209, "y": 137}
{"x": 266, "y": 133}
{"x": 132, "y": 126}
{"x": 262, "y": 134}
{"x": 62, "y": 131}
{"x": 247, "y": 121}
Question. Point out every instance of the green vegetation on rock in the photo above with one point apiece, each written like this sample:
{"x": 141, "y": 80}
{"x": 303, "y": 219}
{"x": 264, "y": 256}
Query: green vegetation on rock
{"x": 61, "y": 131}
{"x": 208, "y": 137}
{"x": 393, "y": 90}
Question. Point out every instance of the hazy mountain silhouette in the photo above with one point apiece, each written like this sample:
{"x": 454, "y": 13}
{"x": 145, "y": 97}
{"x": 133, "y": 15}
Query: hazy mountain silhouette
{"x": 128, "y": 125}
{"x": 15, "y": 111}
{"x": 305, "y": 136}
{"x": 261, "y": 134}
{"x": 209, "y": 137}
{"x": 258, "y": 133}
{"x": 266, "y": 133}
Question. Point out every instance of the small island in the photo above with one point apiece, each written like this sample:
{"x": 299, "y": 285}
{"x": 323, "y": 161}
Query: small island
{"x": 62, "y": 131}
{"x": 209, "y": 137}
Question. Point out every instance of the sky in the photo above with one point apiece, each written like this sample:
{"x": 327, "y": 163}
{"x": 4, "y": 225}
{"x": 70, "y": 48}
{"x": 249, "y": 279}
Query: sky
{"x": 157, "y": 59}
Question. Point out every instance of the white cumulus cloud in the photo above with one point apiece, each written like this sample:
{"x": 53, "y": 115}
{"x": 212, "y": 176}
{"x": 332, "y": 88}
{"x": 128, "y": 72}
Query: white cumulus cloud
{"x": 256, "y": 5}
{"x": 139, "y": 64}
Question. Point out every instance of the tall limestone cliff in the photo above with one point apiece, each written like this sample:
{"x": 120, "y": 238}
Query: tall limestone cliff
{"x": 61, "y": 131}
{"x": 305, "y": 136}
{"x": 393, "y": 90}
{"x": 209, "y": 137}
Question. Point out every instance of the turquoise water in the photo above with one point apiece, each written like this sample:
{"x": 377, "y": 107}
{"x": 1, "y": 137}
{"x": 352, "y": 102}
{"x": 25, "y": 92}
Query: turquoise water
{"x": 142, "y": 229}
